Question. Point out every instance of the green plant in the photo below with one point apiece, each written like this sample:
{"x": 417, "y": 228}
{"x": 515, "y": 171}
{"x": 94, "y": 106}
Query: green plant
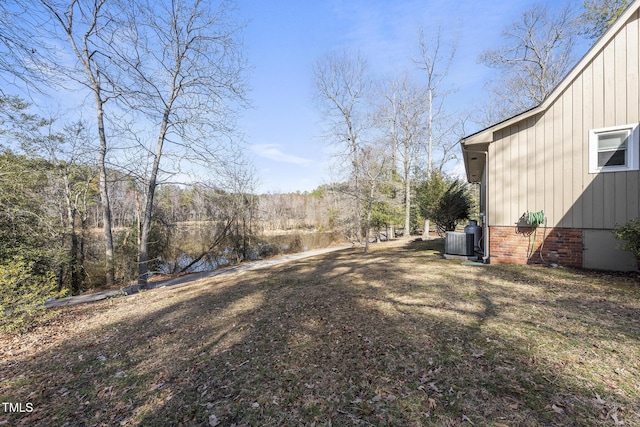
{"x": 384, "y": 214}
{"x": 453, "y": 206}
{"x": 23, "y": 292}
{"x": 630, "y": 233}
{"x": 428, "y": 194}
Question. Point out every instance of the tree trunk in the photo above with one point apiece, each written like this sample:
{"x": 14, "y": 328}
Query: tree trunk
{"x": 71, "y": 228}
{"x": 430, "y": 133}
{"x": 110, "y": 273}
{"x": 81, "y": 251}
{"x": 367, "y": 229}
{"x": 407, "y": 203}
{"x": 145, "y": 232}
{"x": 358, "y": 210}
{"x": 367, "y": 224}
{"x": 145, "y": 229}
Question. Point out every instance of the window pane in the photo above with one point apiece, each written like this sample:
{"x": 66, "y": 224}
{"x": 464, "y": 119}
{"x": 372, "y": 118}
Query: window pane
{"x": 612, "y": 158}
{"x": 612, "y": 141}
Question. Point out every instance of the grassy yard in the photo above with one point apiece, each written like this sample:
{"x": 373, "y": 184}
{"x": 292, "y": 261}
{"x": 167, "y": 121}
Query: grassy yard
{"x": 396, "y": 337}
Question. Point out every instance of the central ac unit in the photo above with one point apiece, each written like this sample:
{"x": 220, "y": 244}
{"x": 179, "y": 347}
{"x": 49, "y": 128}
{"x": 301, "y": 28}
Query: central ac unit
{"x": 456, "y": 243}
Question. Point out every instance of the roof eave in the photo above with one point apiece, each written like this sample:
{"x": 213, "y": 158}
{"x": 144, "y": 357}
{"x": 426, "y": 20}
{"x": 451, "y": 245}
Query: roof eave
{"x": 481, "y": 140}
{"x": 475, "y": 159}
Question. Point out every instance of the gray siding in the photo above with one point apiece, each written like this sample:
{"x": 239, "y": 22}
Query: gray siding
{"x": 602, "y": 252}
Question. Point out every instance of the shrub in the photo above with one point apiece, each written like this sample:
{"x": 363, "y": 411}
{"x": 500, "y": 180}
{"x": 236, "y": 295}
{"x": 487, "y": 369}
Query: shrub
{"x": 630, "y": 233}
{"x": 23, "y": 293}
{"x": 453, "y": 206}
{"x": 429, "y": 193}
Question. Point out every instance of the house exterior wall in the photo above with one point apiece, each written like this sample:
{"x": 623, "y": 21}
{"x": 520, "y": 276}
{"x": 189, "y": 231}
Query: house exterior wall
{"x": 522, "y": 245}
{"x": 542, "y": 162}
{"x": 604, "y": 252}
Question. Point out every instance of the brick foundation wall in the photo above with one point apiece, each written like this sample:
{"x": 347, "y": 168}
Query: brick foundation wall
{"x": 512, "y": 245}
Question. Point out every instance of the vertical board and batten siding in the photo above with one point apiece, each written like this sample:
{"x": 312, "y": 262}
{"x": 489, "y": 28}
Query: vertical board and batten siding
{"x": 541, "y": 162}
{"x": 533, "y": 156}
{"x": 547, "y": 198}
{"x": 586, "y": 217}
{"x": 556, "y": 209}
{"x": 596, "y": 121}
{"x": 610, "y": 63}
{"x": 518, "y": 142}
{"x": 633, "y": 107}
{"x": 579, "y": 162}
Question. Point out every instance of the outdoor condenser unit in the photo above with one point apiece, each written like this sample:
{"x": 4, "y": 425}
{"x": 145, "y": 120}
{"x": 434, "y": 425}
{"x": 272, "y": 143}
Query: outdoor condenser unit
{"x": 456, "y": 243}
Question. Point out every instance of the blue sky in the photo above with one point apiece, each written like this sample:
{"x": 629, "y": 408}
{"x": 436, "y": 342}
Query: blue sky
{"x": 284, "y": 38}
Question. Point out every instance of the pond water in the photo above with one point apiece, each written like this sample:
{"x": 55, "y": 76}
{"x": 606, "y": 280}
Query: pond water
{"x": 259, "y": 247}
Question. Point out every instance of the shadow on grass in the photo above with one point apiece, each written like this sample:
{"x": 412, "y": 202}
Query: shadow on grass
{"x": 431, "y": 246}
{"x": 396, "y": 337}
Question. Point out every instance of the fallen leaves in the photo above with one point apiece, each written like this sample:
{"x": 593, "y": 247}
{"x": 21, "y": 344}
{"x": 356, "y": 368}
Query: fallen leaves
{"x": 372, "y": 345}
{"x": 213, "y": 420}
{"x": 477, "y": 354}
{"x": 557, "y": 409}
{"x": 432, "y": 403}
{"x": 467, "y": 419}
{"x": 614, "y": 417}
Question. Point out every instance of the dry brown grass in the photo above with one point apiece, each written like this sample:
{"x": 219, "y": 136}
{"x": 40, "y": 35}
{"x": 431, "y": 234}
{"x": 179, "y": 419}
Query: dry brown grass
{"x": 396, "y": 337}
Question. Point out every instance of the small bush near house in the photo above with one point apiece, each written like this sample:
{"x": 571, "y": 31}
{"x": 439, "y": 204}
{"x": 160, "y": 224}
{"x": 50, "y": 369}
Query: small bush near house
{"x": 445, "y": 201}
{"x": 453, "y": 206}
{"x": 630, "y": 233}
{"x": 23, "y": 294}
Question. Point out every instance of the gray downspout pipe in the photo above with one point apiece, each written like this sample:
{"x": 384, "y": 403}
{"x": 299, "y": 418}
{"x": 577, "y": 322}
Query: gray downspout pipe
{"x": 485, "y": 233}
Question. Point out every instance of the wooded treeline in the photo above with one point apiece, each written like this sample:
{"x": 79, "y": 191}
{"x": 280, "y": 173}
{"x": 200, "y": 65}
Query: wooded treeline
{"x": 51, "y": 216}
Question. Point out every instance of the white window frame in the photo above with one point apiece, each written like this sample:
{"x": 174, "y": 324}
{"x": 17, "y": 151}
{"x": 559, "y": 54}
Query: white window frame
{"x": 632, "y": 157}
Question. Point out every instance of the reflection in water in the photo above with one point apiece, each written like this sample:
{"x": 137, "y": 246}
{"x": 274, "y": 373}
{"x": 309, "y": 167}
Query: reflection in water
{"x": 257, "y": 248}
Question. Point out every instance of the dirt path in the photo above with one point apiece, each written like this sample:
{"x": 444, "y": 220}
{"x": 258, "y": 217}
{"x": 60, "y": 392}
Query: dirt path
{"x": 245, "y": 266}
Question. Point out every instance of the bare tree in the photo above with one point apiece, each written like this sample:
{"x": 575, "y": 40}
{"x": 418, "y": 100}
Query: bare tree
{"x": 435, "y": 59}
{"x": 599, "y": 15}
{"x": 447, "y": 131}
{"x": 342, "y": 89}
{"x": 71, "y": 180}
{"x": 535, "y": 57}
{"x": 63, "y": 157}
{"x": 21, "y": 52}
{"x": 89, "y": 31}
{"x": 185, "y": 65}
{"x": 403, "y": 114}
{"x": 373, "y": 170}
